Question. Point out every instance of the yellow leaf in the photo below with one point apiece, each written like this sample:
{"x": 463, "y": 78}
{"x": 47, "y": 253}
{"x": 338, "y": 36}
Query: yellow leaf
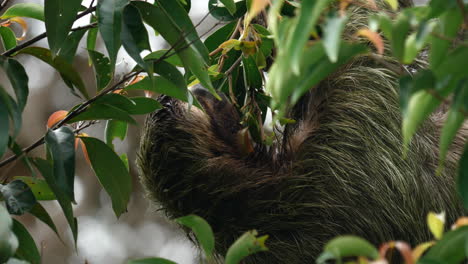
{"x": 256, "y": 7}
{"x": 393, "y": 4}
{"x": 230, "y": 44}
{"x": 248, "y": 47}
{"x": 436, "y": 224}
{"x": 23, "y": 25}
{"x": 421, "y": 248}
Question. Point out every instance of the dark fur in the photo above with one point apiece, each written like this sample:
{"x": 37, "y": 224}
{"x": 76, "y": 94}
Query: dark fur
{"x": 338, "y": 170}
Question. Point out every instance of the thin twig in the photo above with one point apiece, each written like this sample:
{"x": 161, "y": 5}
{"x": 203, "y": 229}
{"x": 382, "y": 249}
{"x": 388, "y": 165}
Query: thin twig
{"x": 233, "y": 66}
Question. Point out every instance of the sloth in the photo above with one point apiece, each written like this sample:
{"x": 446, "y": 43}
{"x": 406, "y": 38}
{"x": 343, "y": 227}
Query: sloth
{"x": 337, "y": 170}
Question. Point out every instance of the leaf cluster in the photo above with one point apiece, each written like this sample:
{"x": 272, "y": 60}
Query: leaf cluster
{"x": 297, "y": 44}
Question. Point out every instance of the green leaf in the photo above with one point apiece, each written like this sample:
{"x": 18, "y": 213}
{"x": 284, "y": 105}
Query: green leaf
{"x": 454, "y": 121}
{"x": 332, "y": 35}
{"x": 267, "y": 43}
{"x": 416, "y": 103}
{"x": 18, "y": 78}
{"x": 59, "y": 18}
{"x": 347, "y": 246}
{"x": 202, "y": 231}
{"x": 124, "y": 159}
{"x": 448, "y": 26}
{"x": 61, "y": 145}
{"x": 171, "y": 73}
{"x": 115, "y": 129}
{"x": 223, "y": 14}
{"x": 66, "y": 69}
{"x": 8, "y": 240}
{"x": 19, "y": 198}
{"x": 136, "y": 29}
{"x": 244, "y": 246}
{"x": 27, "y": 249}
{"x": 47, "y": 171}
{"x": 102, "y": 69}
{"x": 30, "y": 10}
{"x": 162, "y": 86}
{"x": 416, "y": 42}
{"x": 92, "y": 37}
{"x": 111, "y": 172}
{"x": 252, "y": 74}
{"x": 110, "y": 25}
{"x": 151, "y": 261}
{"x": 309, "y": 14}
{"x": 222, "y": 34}
{"x": 103, "y": 112}
{"x": 462, "y": 180}
{"x": 13, "y": 111}
{"x": 422, "y": 101}
{"x": 450, "y": 67}
{"x": 133, "y": 106}
{"x": 134, "y": 36}
{"x": 400, "y": 30}
{"x": 40, "y": 213}
{"x": 182, "y": 22}
{"x": 420, "y": 105}
{"x": 187, "y": 4}
{"x": 8, "y": 38}
{"x": 315, "y": 70}
{"x": 143, "y": 106}
{"x": 168, "y": 18}
{"x": 385, "y": 24}
{"x": 69, "y": 47}
{"x": 116, "y": 100}
{"x": 5, "y": 128}
{"x": 437, "y": 7}
{"x": 423, "y": 80}
{"x": 39, "y": 187}
{"x": 230, "y": 6}
{"x": 451, "y": 249}
{"x": 173, "y": 59}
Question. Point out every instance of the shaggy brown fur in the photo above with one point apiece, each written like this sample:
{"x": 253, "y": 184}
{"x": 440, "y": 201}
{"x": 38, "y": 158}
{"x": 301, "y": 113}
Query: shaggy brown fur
{"x": 338, "y": 170}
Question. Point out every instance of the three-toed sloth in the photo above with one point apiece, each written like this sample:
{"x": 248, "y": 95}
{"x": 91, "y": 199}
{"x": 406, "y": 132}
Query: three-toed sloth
{"x": 337, "y": 170}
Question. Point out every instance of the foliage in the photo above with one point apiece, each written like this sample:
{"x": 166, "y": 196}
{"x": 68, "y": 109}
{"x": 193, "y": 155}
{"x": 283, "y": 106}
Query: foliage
{"x": 300, "y": 48}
